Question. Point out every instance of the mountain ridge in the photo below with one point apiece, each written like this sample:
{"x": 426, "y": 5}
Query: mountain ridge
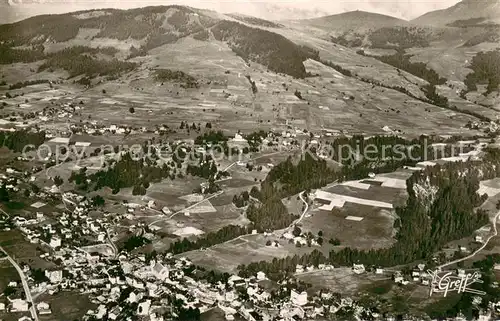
{"x": 466, "y": 9}
{"x": 357, "y": 20}
{"x": 275, "y": 11}
{"x": 17, "y": 10}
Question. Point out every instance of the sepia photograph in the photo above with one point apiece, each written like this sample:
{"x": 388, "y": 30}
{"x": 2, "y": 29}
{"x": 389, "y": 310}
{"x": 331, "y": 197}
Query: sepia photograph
{"x": 249, "y": 160}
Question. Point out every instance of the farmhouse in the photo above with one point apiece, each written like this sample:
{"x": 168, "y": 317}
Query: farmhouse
{"x": 358, "y": 268}
{"x": 426, "y": 164}
{"x": 354, "y": 218}
{"x": 82, "y": 144}
{"x": 60, "y": 140}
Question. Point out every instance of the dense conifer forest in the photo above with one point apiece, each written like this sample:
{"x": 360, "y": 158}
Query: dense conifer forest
{"x": 267, "y": 48}
{"x": 18, "y": 140}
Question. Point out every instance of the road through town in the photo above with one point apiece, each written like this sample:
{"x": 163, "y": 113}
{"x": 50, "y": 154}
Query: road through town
{"x": 26, "y": 287}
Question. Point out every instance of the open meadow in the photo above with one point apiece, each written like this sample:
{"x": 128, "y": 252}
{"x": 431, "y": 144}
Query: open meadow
{"x": 244, "y": 250}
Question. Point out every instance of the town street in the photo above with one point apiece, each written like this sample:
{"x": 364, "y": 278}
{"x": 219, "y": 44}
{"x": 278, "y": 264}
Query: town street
{"x": 26, "y": 287}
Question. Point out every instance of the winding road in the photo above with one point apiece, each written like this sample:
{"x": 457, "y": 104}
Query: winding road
{"x": 494, "y": 223}
{"x": 301, "y": 196}
{"x": 3, "y": 212}
{"x": 113, "y": 246}
{"x": 26, "y": 287}
{"x": 297, "y": 221}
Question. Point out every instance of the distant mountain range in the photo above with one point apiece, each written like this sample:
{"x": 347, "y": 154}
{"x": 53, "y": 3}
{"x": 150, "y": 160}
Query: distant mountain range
{"x": 15, "y": 10}
{"x": 466, "y": 9}
{"x": 355, "y": 20}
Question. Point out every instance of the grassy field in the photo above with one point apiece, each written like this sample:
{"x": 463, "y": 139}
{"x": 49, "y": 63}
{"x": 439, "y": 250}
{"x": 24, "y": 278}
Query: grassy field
{"x": 246, "y": 249}
{"x": 213, "y": 221}
{"x": 22, "y": 251}
{"x": 374, "y": 231}
{"x": 452, "y": 60}
{"x": 376, "y": 193}
{"x": 342, "y": 280}
{"x": 8, "y": 273}
{"x": 66, "y": 306}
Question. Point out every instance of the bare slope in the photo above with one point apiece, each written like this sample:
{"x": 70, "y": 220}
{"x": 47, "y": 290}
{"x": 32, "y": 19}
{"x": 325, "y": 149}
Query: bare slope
{"x": 354, "y": 21}
{"x": 463, "y": 10}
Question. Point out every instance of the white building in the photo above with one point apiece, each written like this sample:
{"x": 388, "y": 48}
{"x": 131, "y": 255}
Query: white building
{"x": 55, "y": 242}
{"x": 19, "y": 305}
{"x": 298, "y": 299}
{"x": 143, "y": 308}
{"x": 160, "y": 271}
{"x": 132, "y": 298}
{"x": 358, "y": 268}
{"x": 54, "y": 276}
{"x": 234, "y": 279}
{"x": 43, "y": 308}
{"x": 239, "y": 139}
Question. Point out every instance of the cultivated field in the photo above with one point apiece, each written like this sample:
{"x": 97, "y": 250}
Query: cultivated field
{"x": 359, "y": 213}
